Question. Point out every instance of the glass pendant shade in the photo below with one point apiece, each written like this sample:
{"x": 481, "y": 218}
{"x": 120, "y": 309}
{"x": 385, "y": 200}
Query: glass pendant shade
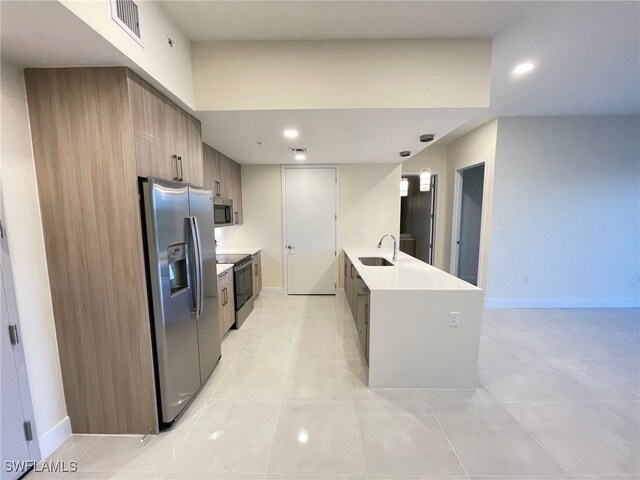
{"x": 404, "y": 187}
{"x": 425, "y": 180}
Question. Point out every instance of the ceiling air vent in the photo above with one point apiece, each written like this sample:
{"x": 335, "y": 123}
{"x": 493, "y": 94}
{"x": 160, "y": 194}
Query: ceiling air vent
{"x": 125, "y": 14}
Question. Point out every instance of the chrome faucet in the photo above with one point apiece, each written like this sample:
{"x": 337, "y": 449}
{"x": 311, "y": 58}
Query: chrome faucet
{"x": 395, "y": 246}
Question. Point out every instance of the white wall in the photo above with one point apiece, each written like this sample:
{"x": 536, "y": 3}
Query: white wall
{"x": 413, "y": 73}
{"x": 28, "y": 260}
{"x": 369, "y": 200}
{"x": 170, "y": 66}
{"x": 566, "y": 212}
{"x": 434, "y": 158}
{"x": 262, "y": 221}
{"x": 475, "y": 147}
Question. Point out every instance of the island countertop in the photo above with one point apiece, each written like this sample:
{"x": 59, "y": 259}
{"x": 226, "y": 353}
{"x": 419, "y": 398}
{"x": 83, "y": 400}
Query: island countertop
{"x": 407, "y": 273}
{"x": 238, "y": 250}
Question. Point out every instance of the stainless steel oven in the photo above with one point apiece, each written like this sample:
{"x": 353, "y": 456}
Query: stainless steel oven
{"x": 243, "y": 287}
{"x": 222, "y": 211}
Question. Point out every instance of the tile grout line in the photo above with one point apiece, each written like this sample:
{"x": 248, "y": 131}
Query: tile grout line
{"x": 464, "y": 469}
{"x": 275, "y": 428}
{"x": 208, "y": 400}
{"x": 532, "y": 435}
{"x": 354, "y": 404}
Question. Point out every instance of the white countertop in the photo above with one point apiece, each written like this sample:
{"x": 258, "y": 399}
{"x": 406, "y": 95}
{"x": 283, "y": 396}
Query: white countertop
{"x": 408, "y": 273}
{"x": 223, "y": 267}
{"x": 238, "y": 251}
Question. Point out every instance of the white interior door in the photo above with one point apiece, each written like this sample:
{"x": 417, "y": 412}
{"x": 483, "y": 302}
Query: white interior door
{"x": 18, "y": 439}
{"x": 310, "y": 230}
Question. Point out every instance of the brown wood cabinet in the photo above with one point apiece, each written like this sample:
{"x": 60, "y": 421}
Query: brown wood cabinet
{"x": 359, "y": 305}
{"x": 226, "y": 301}
{"x": 88, "y": 155}
{"x": 223, "y": 176}
{"x": 350, "y": 284}
{"x": 257, "y": 273}
{"x": 168, "y": 141}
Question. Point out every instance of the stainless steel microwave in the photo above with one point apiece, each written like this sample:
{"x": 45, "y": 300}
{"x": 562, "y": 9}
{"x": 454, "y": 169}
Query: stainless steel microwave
{"x": 222, "y": 211}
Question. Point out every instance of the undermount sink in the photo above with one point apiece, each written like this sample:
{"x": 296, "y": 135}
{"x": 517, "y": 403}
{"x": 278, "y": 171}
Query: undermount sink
{"x": 375, "y": 262}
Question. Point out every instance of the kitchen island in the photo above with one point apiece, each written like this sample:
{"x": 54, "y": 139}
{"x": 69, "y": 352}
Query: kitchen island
{"x": 415, "y": 339}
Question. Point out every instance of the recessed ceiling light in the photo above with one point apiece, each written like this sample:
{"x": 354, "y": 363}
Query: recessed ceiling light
{"x": 523, "y": 68}
{"x": 300, "y": 156}
{"x": 291, "y": 133}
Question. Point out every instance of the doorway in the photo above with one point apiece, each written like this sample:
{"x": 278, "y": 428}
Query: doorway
{"x": 418, "y": 219}
{"x": 468, "y": 208}
{"x": 310, "y": 211}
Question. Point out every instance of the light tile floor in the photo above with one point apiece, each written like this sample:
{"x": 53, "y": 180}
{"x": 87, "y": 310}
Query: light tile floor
{"x": 559, "y": 398}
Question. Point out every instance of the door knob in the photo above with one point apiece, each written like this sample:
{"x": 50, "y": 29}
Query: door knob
{"x": 290, "y": 247}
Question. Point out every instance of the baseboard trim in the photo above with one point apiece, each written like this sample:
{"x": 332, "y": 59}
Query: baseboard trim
{"x": 562, "y": 302}
{"x": 51, "y": 440}
{"x": 267, "y": 291}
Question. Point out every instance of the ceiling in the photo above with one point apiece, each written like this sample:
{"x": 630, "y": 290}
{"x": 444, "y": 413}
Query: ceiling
{"x": 331, "y": 136}
{"x": 586, "y": 55}
{"x": 46, "y": 34}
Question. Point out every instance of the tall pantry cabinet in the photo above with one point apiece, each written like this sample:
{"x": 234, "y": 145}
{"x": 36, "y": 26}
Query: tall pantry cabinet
{"x": 94, "y": 131}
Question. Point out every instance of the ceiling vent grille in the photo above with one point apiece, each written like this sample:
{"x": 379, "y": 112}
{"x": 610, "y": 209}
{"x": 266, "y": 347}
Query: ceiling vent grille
{"x": 125, "y": 14}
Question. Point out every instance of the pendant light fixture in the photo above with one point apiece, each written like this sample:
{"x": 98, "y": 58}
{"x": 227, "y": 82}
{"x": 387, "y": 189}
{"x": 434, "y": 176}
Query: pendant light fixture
{"x": 404, "y": 183}
{"x": 425, "y": 173}
{"x": 404, "y": 187}
{"x": 425, "y": 180}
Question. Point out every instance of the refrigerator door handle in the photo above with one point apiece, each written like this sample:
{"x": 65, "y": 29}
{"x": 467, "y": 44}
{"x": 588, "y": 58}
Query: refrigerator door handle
{"x": 199, "y": 276}
{"x": 195, "y": 271}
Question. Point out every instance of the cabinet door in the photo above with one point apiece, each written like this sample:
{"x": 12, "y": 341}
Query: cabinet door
{"x": 153, "y": 131}
{"x": 352, "y": 288}
{"x": 347, "y": 280}
{"x": 236, "y": 186}
{"x": 188, "y": 141}
{"x": 226, "y": 302}
{"x": 218, "y": 173}
{"x": 209, "y": 160}
{"x": 257, "y": 274}
{"x": 231, "y": 309}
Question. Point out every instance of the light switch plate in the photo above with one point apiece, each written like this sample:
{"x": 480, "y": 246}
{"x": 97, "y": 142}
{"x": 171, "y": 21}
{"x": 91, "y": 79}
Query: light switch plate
{"x": 454, "y": 319}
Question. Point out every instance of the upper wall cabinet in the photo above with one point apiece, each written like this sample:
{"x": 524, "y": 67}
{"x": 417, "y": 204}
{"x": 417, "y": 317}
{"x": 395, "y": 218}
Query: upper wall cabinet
{"x": 167, "y": 139}
{"x": 222, "y": 175}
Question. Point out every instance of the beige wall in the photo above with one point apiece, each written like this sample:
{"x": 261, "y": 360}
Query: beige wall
{"x": 369, "y": 200}
{"x": 434, "y": 158}
{"x": 415, "y": 73}
{"x": 262, "y": 221}
{"x": 471, "y": 149}
{"x": 26, "y": 243}
{"x": 170, "y": 66}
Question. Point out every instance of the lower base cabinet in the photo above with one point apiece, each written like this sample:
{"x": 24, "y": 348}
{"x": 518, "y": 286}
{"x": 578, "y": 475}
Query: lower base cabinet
{"x": 358, "y": 297}
{"x": 226, "y": 302}
{"x": 257, "y": 274}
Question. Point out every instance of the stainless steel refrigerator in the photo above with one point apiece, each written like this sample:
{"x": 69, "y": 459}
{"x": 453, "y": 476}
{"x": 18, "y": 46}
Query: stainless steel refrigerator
{"x": 181, "y": 270}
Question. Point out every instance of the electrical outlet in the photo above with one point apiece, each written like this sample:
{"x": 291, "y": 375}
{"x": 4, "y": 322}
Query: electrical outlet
{"x": 525, "y": 279}
{"x": 358, "y": 232}
{"x": 454, "y": 319}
